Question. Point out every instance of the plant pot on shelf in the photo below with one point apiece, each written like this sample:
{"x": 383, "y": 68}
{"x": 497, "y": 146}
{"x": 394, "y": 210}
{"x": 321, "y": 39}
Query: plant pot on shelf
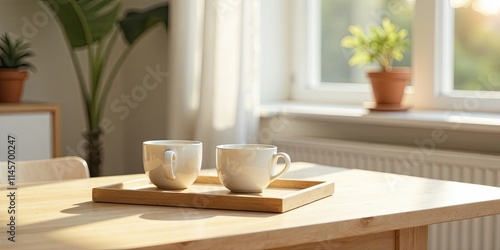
{"x": 388, "y": 88}
{"x": 12, "y": 85}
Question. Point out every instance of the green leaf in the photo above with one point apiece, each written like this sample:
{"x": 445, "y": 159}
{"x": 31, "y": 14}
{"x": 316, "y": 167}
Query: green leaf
{"x": 392, "y": 38}
{"x": 398, "y": 56}
{"x": 85, "y": 21}
{"x": 137, "y": 23}
{"x": 403, "y": 34}
{"x": 359, "y": 59}
{"x": 356, "y": 30}
{"x": 388, "y": 26}
{"x": 349, "y": 42}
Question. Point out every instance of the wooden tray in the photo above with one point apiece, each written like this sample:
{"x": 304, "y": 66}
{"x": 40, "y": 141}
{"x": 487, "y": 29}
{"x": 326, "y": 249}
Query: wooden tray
{"x": 207, "y": 192}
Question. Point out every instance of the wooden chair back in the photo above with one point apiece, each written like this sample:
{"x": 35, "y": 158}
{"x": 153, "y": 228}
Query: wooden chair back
{"x": 54, "y": 169}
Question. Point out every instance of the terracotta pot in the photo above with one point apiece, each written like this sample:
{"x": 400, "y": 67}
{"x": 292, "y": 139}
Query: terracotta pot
{"x": 12, "y": 85}
{"x": 388, "y": 87}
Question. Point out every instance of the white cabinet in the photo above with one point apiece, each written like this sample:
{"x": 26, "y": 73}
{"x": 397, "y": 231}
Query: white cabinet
{"x": 35, "y": 128}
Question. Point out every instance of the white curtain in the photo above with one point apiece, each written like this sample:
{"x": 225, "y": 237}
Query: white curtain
{"x": 213, "y": 72}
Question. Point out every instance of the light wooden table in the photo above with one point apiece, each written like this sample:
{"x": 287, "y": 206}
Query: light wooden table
{"x": 368, "y": 210}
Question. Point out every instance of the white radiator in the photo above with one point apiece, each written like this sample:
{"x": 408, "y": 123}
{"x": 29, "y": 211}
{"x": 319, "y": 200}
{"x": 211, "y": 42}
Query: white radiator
{"x": 423, "y": 161}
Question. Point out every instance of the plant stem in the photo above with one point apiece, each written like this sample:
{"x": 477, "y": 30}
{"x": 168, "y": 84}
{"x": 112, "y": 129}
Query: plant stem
{"x": 94, "y": 150}
{"x": 93, "y": 120}
{"x": 111, "y": 77}
{"x": 81, "y": 83}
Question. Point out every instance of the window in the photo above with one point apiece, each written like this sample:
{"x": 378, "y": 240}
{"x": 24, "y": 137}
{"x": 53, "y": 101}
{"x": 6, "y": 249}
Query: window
{"x": 477, "y": 45}
{"x": 454, "y": 53}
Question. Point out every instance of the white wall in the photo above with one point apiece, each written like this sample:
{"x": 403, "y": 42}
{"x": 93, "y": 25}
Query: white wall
{"x": 54, "y": 81}
{"x": 148, "y": 117}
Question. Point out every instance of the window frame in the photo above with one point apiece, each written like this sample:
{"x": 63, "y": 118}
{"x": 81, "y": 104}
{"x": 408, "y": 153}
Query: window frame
{"x": 432, "y": 64}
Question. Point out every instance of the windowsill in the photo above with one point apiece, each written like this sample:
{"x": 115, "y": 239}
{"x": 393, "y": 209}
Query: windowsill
{"x": 454, "y": 120}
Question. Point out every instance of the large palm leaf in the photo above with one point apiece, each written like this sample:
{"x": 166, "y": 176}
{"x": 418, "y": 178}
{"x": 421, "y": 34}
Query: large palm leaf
{"x": 135, "y": 23}
{"x": 85, "y": 21}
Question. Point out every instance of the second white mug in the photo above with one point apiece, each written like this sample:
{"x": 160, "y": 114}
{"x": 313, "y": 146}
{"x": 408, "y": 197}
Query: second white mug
{"x": 249, "y": 167}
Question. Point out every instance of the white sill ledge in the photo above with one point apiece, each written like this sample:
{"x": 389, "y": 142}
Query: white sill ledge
{"x": 460, "y": 121}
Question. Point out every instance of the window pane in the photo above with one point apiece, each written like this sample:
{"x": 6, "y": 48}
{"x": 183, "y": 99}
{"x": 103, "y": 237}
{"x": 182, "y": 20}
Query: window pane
{"x": 477, "y": 45}
{"x": 337, "y": 15}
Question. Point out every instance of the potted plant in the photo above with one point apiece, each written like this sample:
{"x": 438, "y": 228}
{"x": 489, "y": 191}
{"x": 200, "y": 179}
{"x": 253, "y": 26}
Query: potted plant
{"x": 13, "y": 67}
{"x": 382, "y": 45}
{"x": 95, "y": 27}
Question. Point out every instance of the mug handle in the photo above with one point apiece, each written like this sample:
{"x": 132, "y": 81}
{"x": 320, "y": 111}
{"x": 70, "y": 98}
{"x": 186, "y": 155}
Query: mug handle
{"x": 169, "y": 164}
{"x": 288, "y": 162}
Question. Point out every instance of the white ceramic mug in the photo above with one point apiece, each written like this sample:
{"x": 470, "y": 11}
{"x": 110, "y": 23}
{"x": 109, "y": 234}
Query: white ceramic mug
{"x": 172, "y": 164}
{"x": 249, "y": 168}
